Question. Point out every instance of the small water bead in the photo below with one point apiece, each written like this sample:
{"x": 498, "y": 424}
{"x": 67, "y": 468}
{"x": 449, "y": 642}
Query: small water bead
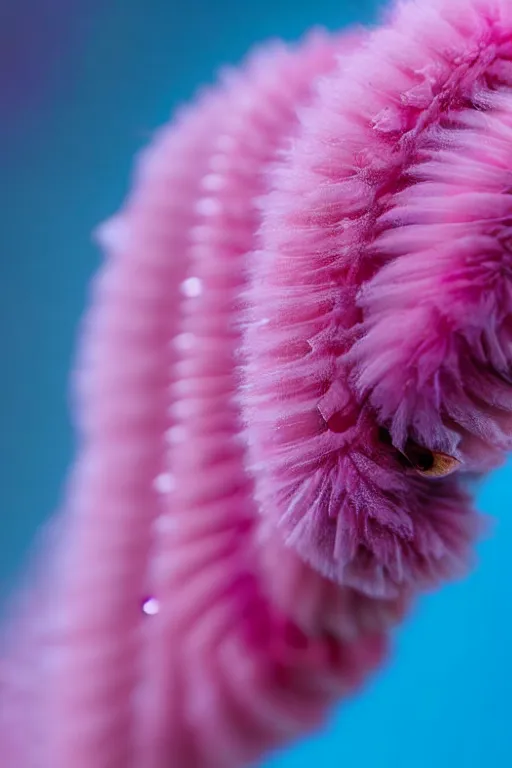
{"x": 151, "y": 606}
{"x": 192, "y": 287}
{"x": 164, "y": 483}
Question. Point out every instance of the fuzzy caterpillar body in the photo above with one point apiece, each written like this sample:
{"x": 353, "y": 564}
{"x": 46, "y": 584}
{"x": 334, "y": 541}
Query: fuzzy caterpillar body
{"x": 310, "y": 276}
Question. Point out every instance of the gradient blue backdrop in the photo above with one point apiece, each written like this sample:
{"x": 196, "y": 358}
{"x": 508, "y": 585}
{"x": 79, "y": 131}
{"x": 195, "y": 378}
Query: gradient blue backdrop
{"x": 88, "y": 93}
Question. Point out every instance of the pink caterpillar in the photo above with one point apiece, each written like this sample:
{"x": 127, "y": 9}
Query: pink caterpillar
{"x": 297, "y": 356}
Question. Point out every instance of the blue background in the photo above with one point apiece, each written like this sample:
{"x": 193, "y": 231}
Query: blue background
{"x": 88, "y": 83}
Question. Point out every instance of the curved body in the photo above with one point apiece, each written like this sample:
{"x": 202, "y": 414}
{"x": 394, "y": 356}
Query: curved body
{"x": 309, "y": 277}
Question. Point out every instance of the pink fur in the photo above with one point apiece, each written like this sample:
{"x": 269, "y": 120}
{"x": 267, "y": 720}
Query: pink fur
{"x": 311, "y": 271}
{"x": 383, "y": 246}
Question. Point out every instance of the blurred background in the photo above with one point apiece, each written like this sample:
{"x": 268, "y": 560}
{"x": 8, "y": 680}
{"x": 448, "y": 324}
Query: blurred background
{"x": 83, "y": 84}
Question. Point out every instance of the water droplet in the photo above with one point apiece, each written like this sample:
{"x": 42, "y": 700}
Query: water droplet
{"x": 151, "y": 606}
{"x": 208, "y": 206}
{"x": 164, "y": 483}
{"x": 192, "y": 287}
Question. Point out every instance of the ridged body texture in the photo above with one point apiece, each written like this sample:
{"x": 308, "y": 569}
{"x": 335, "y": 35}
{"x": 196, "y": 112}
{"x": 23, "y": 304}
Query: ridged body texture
{"x": 311, "y": 274}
